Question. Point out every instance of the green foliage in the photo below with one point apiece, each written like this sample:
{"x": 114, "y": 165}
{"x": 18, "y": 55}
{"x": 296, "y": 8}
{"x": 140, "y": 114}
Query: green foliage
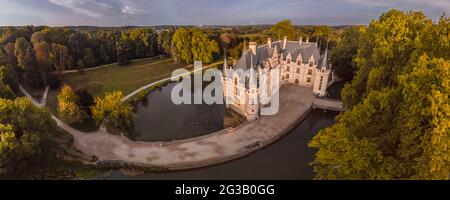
{"x": 113, "y": 110}
{"x": 25, "y": 131}
{"x": 343, "y": 54}
{"x": 190, "y": 45}
{"x": 202, "y": 47}
{"x": 398, "y": 117}
{"x": 43, "y": 54}
{"x": 6, "y": 92}
{"x": 89, "y": 58}
{"x": 61, "y": 57}
{"x": 24, "y": 53}
{"x": 181, "y": 42}
{"x": 9, "y": 78}
{"x": 123, "y": 53}
{"x": 68, "y": 108}
{"x": 283, "y": 28}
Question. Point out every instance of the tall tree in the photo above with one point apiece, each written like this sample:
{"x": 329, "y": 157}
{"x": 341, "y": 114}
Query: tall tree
{"x": 113, "y": 110}
{"x": 123, "y": 52}
{"x": 203, "y": 48}
{"x": 24, "y": 53}
{"x": 181, "y": 42}
{"x": 283, "y": 28}
{"x": 42, "y": 51}
{"x": 68, "y": 106}
{"x": 343, "y": 55}
{"x": 61, "y": 57}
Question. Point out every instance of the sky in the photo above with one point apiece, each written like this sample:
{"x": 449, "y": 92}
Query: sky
{"x": 205, "y": 12}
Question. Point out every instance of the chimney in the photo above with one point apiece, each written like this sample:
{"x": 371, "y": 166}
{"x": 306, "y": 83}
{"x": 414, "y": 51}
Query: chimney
{"x": 307, "y": 40}
{"x": 252, "y": 46}
{"x": 284, "y": 42}
{"x": 269, "y": 42}
{"x": 300, "y": 41}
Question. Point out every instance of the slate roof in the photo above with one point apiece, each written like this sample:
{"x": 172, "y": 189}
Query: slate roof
{"x": 263, "y": 53}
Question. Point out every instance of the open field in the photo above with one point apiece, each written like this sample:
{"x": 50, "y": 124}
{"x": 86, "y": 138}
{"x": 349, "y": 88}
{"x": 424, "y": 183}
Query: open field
{"x": 115, "y": 77}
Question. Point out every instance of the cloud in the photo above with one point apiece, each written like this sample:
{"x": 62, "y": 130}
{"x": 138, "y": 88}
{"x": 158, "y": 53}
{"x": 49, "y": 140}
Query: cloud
{"x": 130, "y": 10}
{"x": 95, "y": 9}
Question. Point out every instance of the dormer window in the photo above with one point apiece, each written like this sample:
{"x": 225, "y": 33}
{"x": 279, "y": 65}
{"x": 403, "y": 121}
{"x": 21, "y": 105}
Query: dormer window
{"x": 299, "y": 62}
{"x": 311, "y": 64}
{"x": 288, "y": 61}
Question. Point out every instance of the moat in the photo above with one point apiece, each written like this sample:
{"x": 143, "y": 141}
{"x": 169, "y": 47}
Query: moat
{"x": 287, "y": 158}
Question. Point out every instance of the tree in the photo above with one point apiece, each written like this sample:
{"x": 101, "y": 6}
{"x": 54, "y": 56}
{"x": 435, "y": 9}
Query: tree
{"x": 181, "y": 42}
{"x": 123, "y": 53}
{"x": 68, "y": 108}
{"x": 42, "y": 51}
{"x": 3, "y": 57}
{"x": 16, "y": 153}
{"x": 113, "y": 110}
{"x": 6, "y": 92}
{"x": 283, "y": 28}
{"x": 8, "y": 77}
{"x": 24, "y": 53}
{"x": 85, "y": 99}
{"x": 25, "y": 136}
{"x": 397, "y": 122}
{"x": 164, "y": 40}
{"x": 203, "y": 48}
{"x": 37, "y": 37}
{"x": 10, "y": 56}
{"x": 343, "y": 55}
{"x": 89, "y": 58}
{"x": 61, "y": 57}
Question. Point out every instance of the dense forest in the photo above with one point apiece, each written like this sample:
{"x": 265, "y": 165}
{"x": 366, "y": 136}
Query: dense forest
{"x": 397, "y": 123}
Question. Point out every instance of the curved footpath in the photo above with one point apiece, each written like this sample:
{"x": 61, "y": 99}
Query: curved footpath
{"x": 215, "y": 148}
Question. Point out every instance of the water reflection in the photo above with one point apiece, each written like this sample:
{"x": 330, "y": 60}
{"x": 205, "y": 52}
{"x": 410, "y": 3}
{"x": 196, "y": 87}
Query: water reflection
{"x": 159, "y": 119}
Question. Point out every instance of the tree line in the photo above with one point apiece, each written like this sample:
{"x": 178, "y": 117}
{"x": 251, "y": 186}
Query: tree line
{"x": 36, "y": 53}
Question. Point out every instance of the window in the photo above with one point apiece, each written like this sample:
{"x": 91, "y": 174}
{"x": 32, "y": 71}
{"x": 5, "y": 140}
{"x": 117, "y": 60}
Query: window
{"x": 296, "y": 81}
{"x": 320, "y": 86}
{"x": 235, "y": 81}
{"x": 310, "y": 72}
{"x": 298, "y": 70}
{"x": 287, "y": 76}
{"x": 289, "y": 61}
{"x": 288, "y": 68}
{"x": 299, "y": 62}
{"x": 311, "y": 64}
{"x": 308, "y": 80}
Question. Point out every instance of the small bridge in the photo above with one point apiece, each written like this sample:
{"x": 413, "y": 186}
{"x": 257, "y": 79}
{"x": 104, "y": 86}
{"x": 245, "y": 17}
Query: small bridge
{"x": 328, "y": 104}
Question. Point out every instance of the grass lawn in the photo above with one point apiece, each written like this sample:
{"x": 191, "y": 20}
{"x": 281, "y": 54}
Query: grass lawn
{"x": 114, "y": 77}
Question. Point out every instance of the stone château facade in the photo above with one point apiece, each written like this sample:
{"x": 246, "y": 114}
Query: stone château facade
{"x": 298, "y": 62}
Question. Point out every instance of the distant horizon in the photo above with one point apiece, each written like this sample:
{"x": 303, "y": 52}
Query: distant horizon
{"x": 119, "y": 13}
{"x": 231, "y": 25}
